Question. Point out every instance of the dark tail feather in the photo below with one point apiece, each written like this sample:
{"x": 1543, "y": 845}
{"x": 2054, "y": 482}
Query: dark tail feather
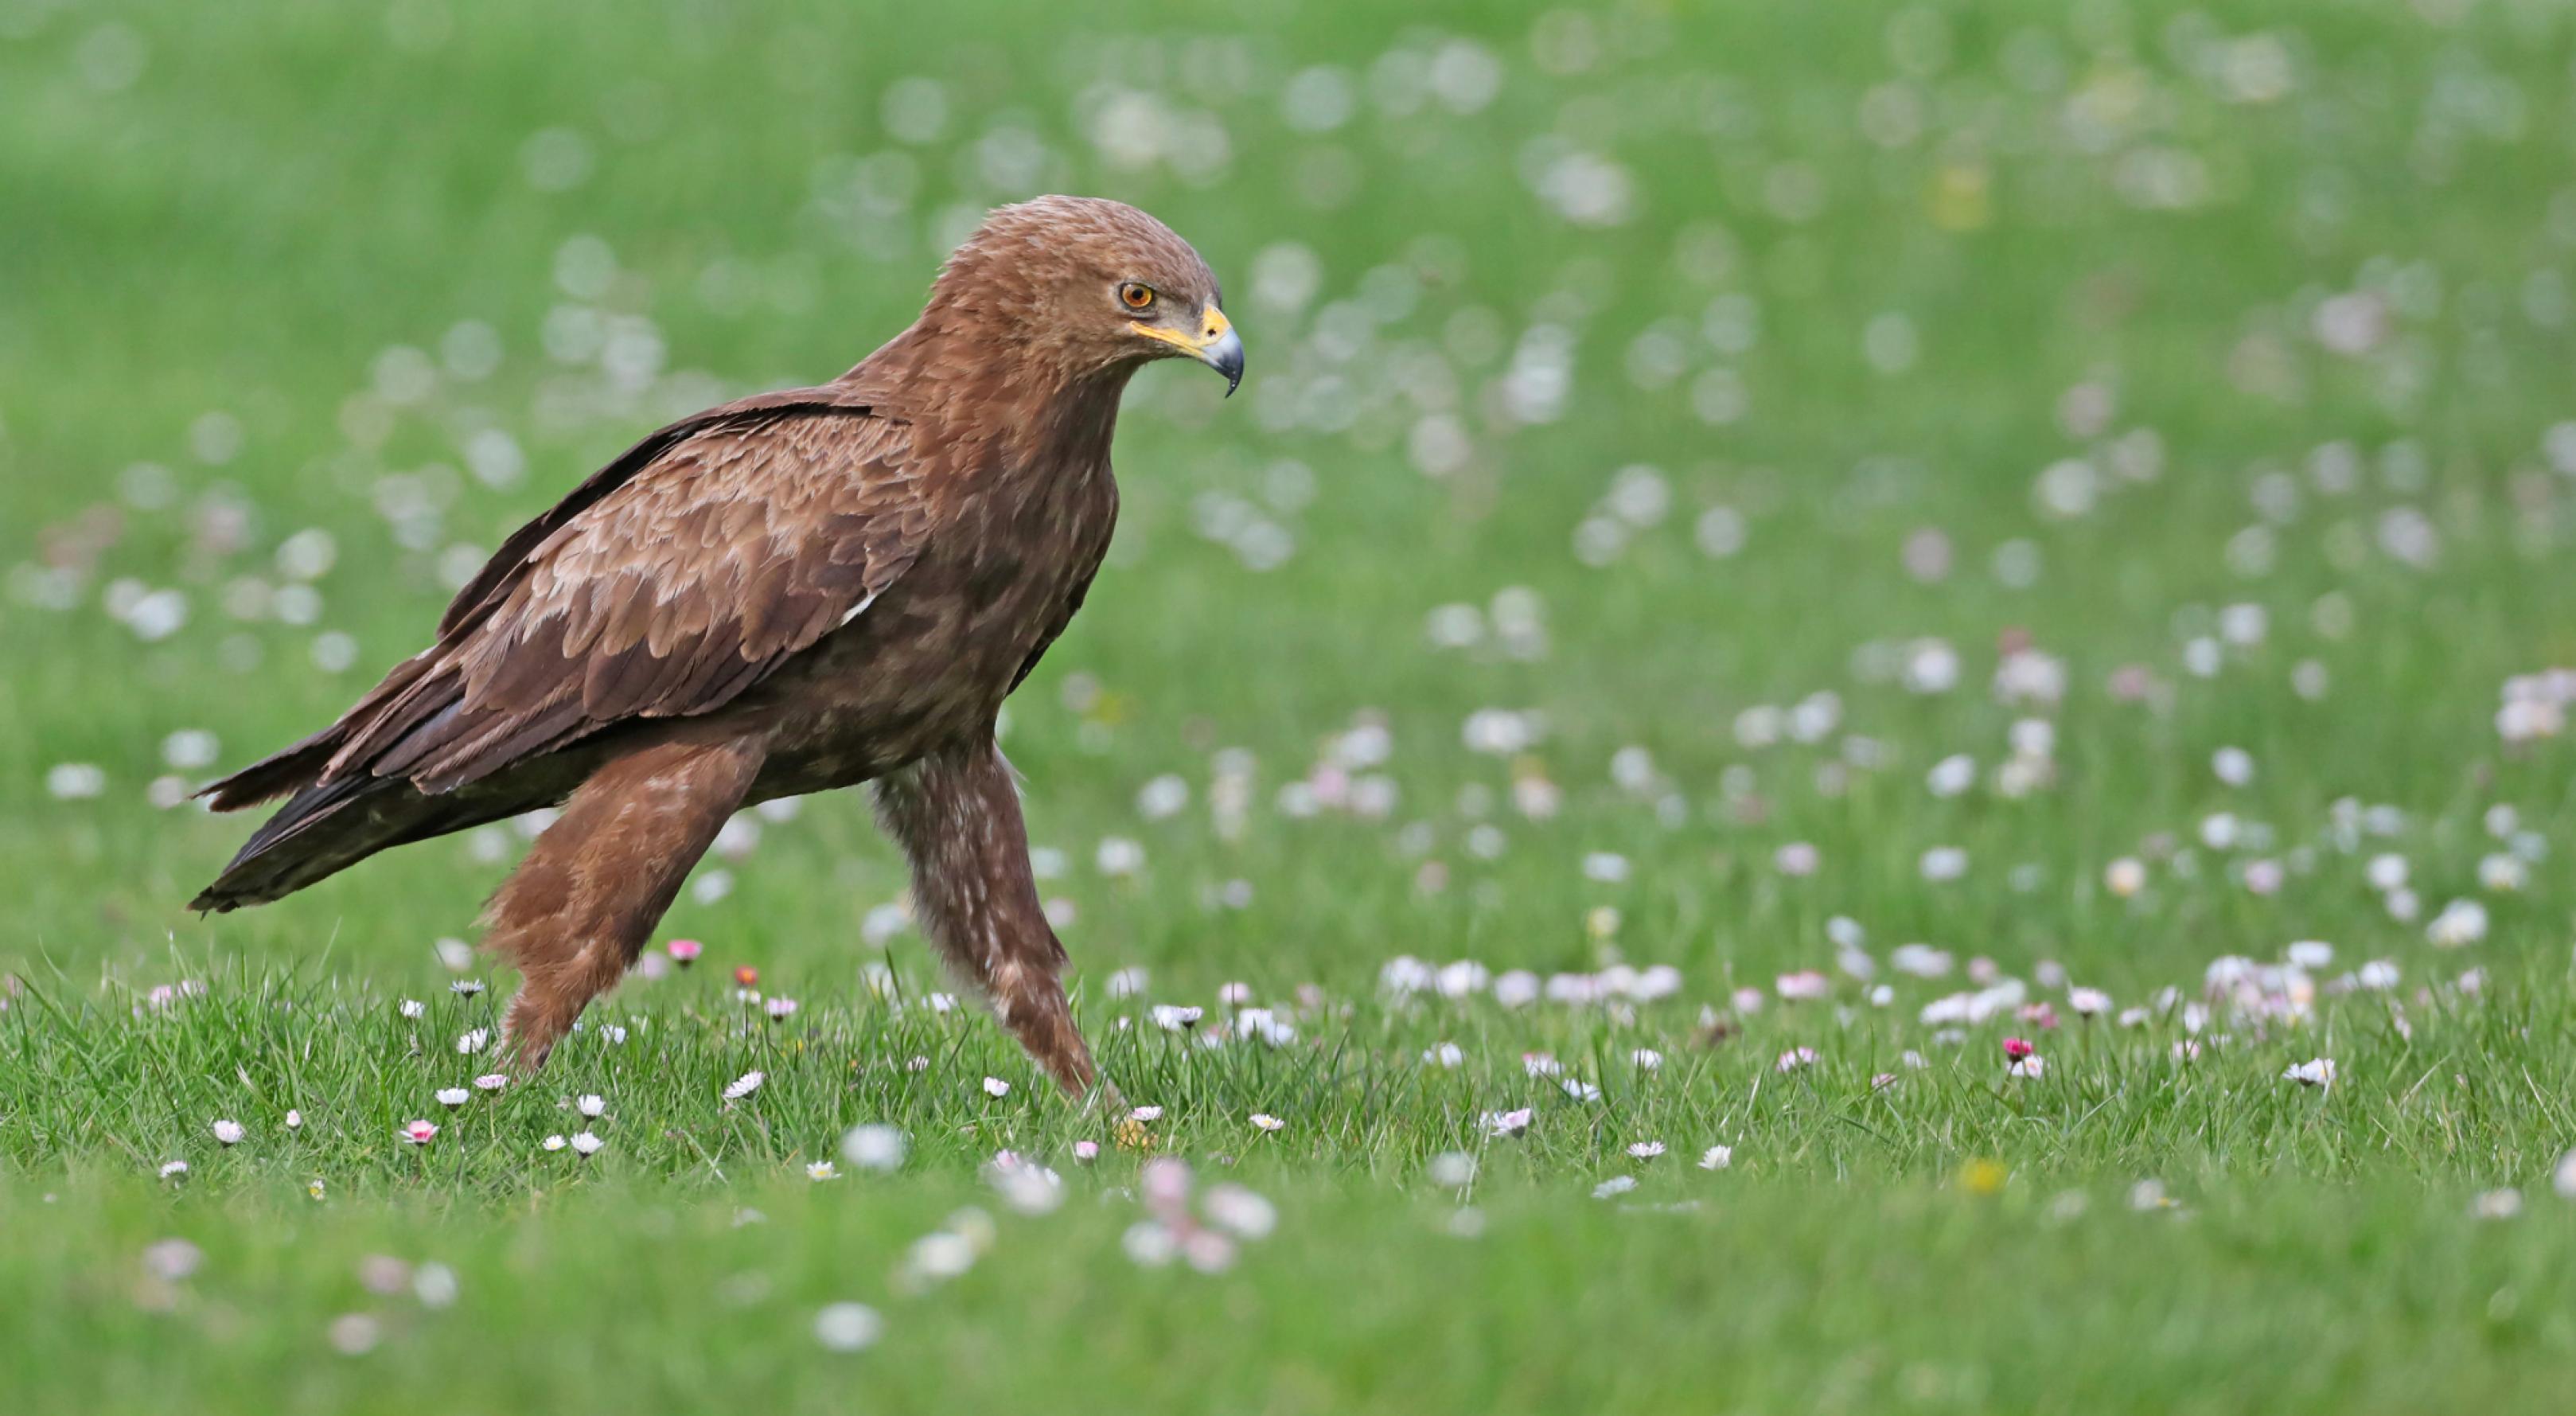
{"x": 287, "y": 853}
{"x": 274, "y": 776}
{"x": 326, "y": 829}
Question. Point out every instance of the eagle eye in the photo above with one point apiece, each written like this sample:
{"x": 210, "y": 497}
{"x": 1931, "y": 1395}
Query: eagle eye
{"x": 1135, "y": 296}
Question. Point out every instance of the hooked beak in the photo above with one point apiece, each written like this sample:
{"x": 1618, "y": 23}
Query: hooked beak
{"x": 1214, "y": 344}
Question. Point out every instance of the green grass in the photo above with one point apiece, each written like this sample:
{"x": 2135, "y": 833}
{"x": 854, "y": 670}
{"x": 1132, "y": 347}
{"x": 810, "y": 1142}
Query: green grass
{"x": 2295, "y": 280}
{"x": 1905, "y": 1298}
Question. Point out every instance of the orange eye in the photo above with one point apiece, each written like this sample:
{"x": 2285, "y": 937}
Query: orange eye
{"x": 1135, "y": 297}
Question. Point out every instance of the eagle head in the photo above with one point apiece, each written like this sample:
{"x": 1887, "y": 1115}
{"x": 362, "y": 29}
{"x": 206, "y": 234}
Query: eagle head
{"x": 1090, "y": 284}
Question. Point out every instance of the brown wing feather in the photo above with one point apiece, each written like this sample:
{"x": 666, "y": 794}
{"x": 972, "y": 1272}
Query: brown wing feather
{"x": 709, "y": 557}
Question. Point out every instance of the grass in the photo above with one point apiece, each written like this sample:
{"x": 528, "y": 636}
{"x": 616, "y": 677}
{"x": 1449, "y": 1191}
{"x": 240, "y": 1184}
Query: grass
{"x": 2218, "y": 359}
{"x": 2273, "y": 1297}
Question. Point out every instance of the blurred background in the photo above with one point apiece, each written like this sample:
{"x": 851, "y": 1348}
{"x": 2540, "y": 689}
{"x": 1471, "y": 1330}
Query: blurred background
{"x": 1672, "y": 432}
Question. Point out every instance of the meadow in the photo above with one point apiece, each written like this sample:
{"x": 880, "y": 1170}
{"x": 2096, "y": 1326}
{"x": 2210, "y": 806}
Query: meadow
{"x": 1865, "y": 710}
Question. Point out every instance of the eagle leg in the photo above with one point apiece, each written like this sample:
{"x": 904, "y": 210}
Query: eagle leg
{"x": 575, "y": 914}
{"x": 957, "y": 815}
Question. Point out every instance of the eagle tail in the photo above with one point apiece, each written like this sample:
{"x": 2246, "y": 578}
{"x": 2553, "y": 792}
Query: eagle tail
{"x": 275, "y": 775}
{"x": 327, "y": 827}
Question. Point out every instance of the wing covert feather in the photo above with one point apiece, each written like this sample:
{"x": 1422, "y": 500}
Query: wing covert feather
{"x": 716, "y": 553}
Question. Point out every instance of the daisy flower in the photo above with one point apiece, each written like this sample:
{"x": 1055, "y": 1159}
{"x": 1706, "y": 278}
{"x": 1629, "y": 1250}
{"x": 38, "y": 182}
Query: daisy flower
{"x": 554, "y": 1142}
{"x": 2125, "y": 877}
{"x": 466, "y": 987}
{"x": 822, "y": 1170}
{"x": 229, "y": 1132}
{"x": 1086, "y": 1151}
{"x": 1146, "y": 1113}
{"x": 491, "y": 1082}
{"x": 2315, "y": 1072}
{"x": 587, "y": 1145}
{"x": 1646, "y": 1150}
{"x": 294, "y": 1120}
{"x": 781, "y": 1009}
{"x": 419, "y": 1133}
{"x": 873, "y": 1147}
{"x": 1508, "y": 1123}
{"x": 995, "y": 1086}
{"x": 413, "y": 1008}
{"x": 1267, "y": 1122}
{"x": 1795, "y": 1058}
{"x": 744, "y": 1085}
{"x": 848, "y": 1327}
{"x": 453, "y": 1097}
{"x": 2031, "y": 1067}
{"x": 1717, "y": 1158}
{"x": 1804, "y": 984}
{"x": 1242, "y": 1211}
{"x": 684, "y": 952}
{"x": 591, "y": 1104}
{"x": 2497, "y": 1204}
{"x": 173, "y": 1169}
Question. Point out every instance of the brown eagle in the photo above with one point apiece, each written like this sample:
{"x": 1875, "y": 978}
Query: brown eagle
{"x": 792, "y": 592}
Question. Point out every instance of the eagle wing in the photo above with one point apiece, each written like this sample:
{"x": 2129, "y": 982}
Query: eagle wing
{"x": 671, "y": 581}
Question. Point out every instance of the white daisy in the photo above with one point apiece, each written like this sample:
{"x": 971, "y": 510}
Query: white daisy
{"x": 873, "y": 1147}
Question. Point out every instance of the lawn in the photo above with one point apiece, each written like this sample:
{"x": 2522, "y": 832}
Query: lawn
{"x": 1858, "y": 714}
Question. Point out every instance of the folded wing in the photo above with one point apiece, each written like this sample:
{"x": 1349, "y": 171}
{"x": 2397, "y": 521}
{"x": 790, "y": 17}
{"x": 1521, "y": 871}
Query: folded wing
{"x": 666, "y": 585}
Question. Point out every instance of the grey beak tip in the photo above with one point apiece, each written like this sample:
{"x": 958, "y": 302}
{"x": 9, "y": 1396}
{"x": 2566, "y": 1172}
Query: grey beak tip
{"x": 1226, "y": 357}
